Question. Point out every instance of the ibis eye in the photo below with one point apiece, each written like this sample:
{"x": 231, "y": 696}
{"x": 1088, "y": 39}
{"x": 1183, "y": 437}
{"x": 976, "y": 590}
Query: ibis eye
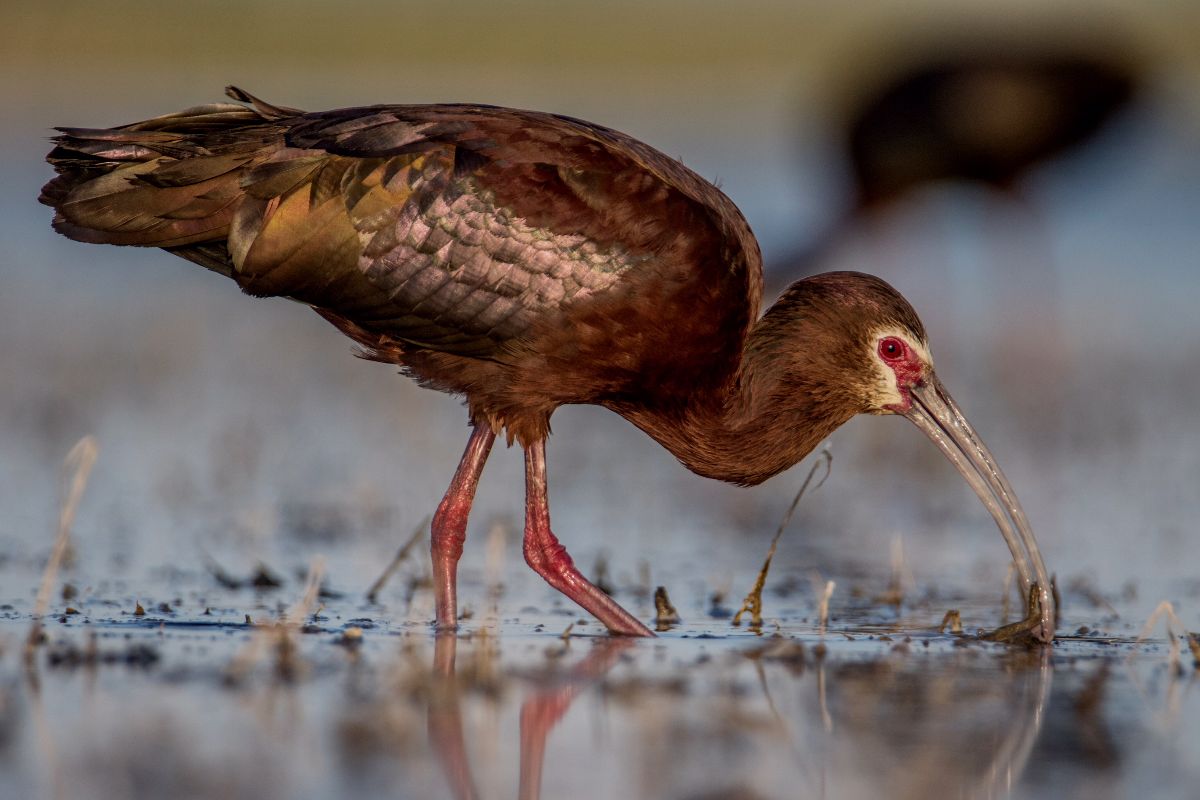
{"x": 891, "y": 348}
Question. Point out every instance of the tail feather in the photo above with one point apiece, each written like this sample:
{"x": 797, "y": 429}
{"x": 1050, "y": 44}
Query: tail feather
{"x": 173, "y": 181}
{"x": 265, "y": 109}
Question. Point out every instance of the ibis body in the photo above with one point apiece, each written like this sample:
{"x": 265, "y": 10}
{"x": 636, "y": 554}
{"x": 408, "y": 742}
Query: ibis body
{"x": 524, "y": 261}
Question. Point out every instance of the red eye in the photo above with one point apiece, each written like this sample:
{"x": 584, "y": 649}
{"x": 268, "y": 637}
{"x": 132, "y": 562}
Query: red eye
{"x": 891, "y": 348}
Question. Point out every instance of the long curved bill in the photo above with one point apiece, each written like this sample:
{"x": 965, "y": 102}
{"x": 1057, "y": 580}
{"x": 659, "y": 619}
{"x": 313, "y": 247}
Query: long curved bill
{"x": 938, "y": 417}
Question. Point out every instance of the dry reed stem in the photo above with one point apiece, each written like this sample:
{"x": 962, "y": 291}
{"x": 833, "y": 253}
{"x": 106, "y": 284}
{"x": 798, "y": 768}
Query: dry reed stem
{"x": 495, "y": 549}
{"x": 1176, "y": 651}
{"x": 243, "y": 660}
{"x": 1169, "y": 715}
{"x": 399, "y": 558}
{"x": 286, "y": 666}
{"x": 308, "y": 598}
{"x": 753, "y": 601}
{"x": 51, "y": 772}
{"x": 780, "y": 723}
{"x": 902, "y": 578}
{"x": 77, "y": 467}
{"x": 823, "y": 608}
{"x": 826, "y": 717}
{"x": 1009, "y": 578}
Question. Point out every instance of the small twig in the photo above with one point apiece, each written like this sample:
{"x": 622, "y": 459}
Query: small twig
{"x": 278, "y": 634}
{"x": 286, "y": 663}
{"x": 901, "y": 578}
{"x": 401, "y": 554}
{"x": 823, "y": 608}
{"x": 753, "y": 601}
{"x": 1083, "y": 587}
{"x": 308, "y": 598}
{"x": 1007, "y": 595}
{"x": 826, "y": 717}
{"x": 244, "y": 659}
{"x": 1176, "y": 651}
{"x": 77, "y": 466}
{"x": 493, "y": 570}
{"x": 780, "y": 722}
{"x": 953, "y": 620}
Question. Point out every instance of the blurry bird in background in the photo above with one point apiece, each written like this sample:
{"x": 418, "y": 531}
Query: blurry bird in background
{"x": 989, "y": 115}
{"x": 986, "y": 117}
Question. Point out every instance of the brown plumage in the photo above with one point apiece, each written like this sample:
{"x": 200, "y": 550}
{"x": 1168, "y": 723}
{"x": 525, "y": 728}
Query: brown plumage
{"x": 524, "y": 261}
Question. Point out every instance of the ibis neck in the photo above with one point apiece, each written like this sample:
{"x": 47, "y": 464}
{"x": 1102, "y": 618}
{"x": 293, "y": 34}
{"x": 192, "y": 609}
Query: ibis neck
{"x": 775, "y": 408}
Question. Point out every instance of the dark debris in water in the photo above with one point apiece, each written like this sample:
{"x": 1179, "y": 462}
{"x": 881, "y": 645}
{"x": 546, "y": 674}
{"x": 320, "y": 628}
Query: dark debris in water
{"x": 785, "y": 651}
{"x": 262, "y": 578}
{"x": 265, "y": 578}
{"x": 601, "y": 578}
{"x": 65, "y": 654}
{"x": 716, "y": 606}
{"x": 665, "y": 615}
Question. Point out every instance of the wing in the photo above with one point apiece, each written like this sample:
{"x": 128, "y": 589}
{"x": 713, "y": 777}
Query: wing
{"x": 413, "y": 245}
{"x": 455, "y": 228}
{"x": 460, "y": 228}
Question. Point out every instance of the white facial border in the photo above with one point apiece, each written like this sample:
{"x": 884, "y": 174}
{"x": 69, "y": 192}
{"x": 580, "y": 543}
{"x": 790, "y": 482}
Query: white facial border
{"x": 884, "y": 389}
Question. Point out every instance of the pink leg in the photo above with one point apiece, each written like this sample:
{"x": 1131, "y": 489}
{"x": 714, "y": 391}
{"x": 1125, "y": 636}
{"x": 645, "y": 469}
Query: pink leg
{"x": 550, "y": 559}
{"x": 449, "y": 529}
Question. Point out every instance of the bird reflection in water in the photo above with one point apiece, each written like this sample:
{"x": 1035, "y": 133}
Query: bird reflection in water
{"x": 901, "y": 725}
{"x": 540, "y": 713}
{"x": 906, "y": 726}
{"x": 957, "y": 728}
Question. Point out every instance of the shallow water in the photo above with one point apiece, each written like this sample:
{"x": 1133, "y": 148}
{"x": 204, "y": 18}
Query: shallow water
{"x": 235, "y": 432}
{"x": 190, "y": 700}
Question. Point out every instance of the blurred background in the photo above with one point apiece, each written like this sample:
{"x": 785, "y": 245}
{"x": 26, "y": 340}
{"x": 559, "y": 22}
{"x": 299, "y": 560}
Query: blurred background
{"x": 1058, "y": 282}
{"x": 1026, "y": 173}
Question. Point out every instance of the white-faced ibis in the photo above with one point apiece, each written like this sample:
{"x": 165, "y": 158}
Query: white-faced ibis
{"x": 989, "y": 115}
{"x": 526, "y": 260}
